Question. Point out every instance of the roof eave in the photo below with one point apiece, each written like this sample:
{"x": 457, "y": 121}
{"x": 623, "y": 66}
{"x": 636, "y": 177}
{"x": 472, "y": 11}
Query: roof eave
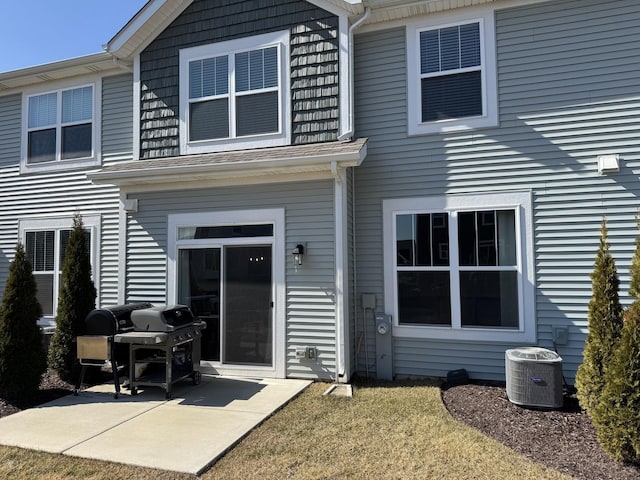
{"x": 242, "y": 170}
{"x": 87, "y": 64}
{"x": 145, "y": 25}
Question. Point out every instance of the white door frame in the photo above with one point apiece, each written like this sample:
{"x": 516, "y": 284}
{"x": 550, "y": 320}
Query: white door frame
{"x": 237, "y": 217}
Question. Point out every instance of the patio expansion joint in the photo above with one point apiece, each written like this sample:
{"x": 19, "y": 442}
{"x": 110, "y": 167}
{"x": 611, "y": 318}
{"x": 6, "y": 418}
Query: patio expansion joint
{"x": 125, "y": 420}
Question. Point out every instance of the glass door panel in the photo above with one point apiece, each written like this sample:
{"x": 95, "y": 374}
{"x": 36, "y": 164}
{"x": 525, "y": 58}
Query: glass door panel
{"x": 248, "y": 303}
{"x": 199, "y": 288}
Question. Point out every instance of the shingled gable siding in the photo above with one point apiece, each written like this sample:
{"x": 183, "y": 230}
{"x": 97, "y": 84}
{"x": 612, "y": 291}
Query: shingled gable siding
{"x": 45, "y": 195}
{"x": 560, "y": 107}
{"x": 314, "y": 66}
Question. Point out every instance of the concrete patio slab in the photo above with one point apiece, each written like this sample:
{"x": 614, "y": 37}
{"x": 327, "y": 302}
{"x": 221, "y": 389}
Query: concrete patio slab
{"x": 59, "y": 425}
{"x": 195, "y": 438}
{"x": 184, "y": 434}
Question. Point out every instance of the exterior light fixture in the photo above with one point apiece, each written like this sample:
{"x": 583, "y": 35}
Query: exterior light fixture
{"x": 298, "y": 253}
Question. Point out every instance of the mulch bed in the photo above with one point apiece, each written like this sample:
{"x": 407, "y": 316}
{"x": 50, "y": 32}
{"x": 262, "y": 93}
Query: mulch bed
{"x": 562, "y": 439}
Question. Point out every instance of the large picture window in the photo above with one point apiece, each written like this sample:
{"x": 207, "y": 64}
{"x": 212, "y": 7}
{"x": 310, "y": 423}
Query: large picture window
{"x": 459, "y": 268}
{"x": 233, "y": 94}
{"x": 452, "y": 80}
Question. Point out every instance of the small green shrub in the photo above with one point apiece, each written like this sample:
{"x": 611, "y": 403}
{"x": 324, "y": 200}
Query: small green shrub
{"x": 77, "y": 298}
{"x": 617, "y": 415}
{"x": 22, "y": 355}
{"x": 605, "y": 324}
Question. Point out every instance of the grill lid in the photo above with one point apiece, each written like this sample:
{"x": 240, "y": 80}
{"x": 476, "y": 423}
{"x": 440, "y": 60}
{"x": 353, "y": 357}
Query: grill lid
{"x": 163, "y": 318}
{"x": 111, "y": 320}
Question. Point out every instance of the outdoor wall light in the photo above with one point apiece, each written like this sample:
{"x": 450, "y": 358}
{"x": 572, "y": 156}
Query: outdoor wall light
{"x": 298, "y": 253}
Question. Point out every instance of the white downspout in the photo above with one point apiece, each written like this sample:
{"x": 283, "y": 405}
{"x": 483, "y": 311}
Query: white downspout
{"x": 348, "y": 135}
{"x": 340, "y": 218}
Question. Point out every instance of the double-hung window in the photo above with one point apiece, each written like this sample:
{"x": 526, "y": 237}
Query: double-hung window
{"x": 234, "y": 95}
{"x": 45, "y": 242}
{"x": 60, "y": 128}
{"x": 451, "y": 70}
{"x": 458, "y": 267}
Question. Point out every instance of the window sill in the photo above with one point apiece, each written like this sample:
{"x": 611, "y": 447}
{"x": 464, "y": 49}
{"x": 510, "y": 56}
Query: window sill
{"x": 466, "y": 334}
{"x": 59, "y": 165}
{"x": 452, "y": 126}
{"x": 227, "y": 145}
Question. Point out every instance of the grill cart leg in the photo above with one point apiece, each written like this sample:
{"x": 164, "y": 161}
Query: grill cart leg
{"x": 114, "y": 369}
{"x": 79, "y": 384}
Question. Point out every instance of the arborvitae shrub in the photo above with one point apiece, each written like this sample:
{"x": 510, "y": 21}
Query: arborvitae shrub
{"x": 605, "y": 324}
{"x": 22, "y": 355}
{"x": 77, "y": 298}
{"x": 634, "y": 284}
{"x": 617, "y": 415}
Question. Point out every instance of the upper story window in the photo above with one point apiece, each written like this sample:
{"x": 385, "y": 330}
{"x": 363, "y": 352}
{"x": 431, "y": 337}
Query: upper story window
{"x": 460, "y": 267}
{"x": 452, "y": 81}
{"x": 60, "y": 128}
{"x": 234, "y": 94}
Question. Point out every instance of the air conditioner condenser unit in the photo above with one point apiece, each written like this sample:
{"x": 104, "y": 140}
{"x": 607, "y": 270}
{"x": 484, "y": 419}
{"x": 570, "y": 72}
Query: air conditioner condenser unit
{"x": 534, "y": 377}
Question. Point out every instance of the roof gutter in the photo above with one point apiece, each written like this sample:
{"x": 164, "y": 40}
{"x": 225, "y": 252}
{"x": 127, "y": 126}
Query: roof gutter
{"x": 348, "y": 135}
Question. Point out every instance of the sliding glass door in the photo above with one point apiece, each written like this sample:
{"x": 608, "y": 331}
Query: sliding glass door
{"x": 230, "y": 287}
{"x": 247, "y": 325}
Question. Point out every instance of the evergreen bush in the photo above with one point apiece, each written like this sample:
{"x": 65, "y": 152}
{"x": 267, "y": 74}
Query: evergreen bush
{"x": 605, "y": 324}
{"x": 76, "y": 299}
{"x": 617, "y": 415}
{"x": 22, "y": 354}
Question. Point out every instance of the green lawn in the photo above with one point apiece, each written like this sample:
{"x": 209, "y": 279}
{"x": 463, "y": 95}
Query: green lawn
{"x": 390, "y": 431}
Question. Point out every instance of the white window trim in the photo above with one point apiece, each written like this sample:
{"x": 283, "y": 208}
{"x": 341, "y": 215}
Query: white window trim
{"x": 521, "y": 202}
{"x": 96, "y": 122}
{"x": 231, "y": 47}
{"x": 91, "y": 222}
{"x": 237, "y": 217}
{"x": 488, "y": 73}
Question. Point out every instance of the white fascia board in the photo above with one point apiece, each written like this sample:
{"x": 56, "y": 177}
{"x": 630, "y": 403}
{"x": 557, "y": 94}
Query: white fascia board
{"x": 154, "y": 17}
{"x": 158, "y": 14}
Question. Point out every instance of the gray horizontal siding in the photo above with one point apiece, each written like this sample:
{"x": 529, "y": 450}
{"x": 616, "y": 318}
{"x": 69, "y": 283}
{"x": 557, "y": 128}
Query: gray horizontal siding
{"x": 313, "y": 64}
{"x": 10, "y": 128}
{"x": 568, "y": 81}
{"x": 117, "y": 118}
{"x": 63, "y": 193}
{"x": 310, "y": 292}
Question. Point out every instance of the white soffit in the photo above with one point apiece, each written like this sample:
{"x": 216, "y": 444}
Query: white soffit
{"x": 88, "y": 64}
{"x": 388, "y": 10}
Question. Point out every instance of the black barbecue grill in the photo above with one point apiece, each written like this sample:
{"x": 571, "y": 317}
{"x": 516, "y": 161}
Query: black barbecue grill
{"x": 164, "y": 347}
{"x": 161, "y": 345}
{"x": 98, "y": 346}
